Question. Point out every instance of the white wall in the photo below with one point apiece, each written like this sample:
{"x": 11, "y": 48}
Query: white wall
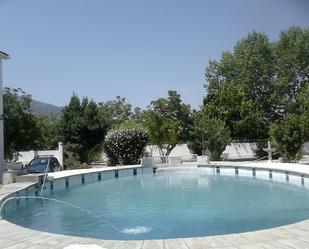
{"x": 235, "y": 151}
{"x": 25, "y": 157}
{"x": 179, "y": 150}
{"x": 305, "y": 148}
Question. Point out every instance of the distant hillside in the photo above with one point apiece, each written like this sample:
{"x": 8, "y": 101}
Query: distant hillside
{"x": 44, "y": 109}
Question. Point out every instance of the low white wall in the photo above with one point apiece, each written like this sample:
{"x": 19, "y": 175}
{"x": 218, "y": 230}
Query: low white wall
{"x": 237, "y": 151}
{"x": 305, "y": 148}
{"x": 179, "y": 150}
{"x": 234, "y": 150}
{"x": 203, "y": 160}
{"x": 25, "y": 157}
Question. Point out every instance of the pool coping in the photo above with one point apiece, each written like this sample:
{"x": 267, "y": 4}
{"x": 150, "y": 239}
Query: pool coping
{"x": 289, "y": 236}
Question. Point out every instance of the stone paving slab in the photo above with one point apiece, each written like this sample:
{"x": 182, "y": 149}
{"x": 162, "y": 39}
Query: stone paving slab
{"x": 175, "y": 244}
{"x": 153, "y": 244}
{"x": 295, "y": 243}
{"x": 11, "y": 189}
{"x": 217, "y": 241}
{"x": 197, "y": 243}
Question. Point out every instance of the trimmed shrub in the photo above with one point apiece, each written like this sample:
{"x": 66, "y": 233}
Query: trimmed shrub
{"x": 287, "y": 136}
{"x": 125, "y": 146}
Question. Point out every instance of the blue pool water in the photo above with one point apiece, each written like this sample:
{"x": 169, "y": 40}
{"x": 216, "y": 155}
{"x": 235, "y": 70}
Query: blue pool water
{"x": 166, "y": 205}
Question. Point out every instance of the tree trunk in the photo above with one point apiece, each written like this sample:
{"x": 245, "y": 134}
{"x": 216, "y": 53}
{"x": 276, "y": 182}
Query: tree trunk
{"x": 169, "y": 149}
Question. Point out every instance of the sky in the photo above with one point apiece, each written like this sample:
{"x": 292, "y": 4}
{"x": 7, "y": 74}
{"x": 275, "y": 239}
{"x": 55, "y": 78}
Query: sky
{"x": 138, "y": 49}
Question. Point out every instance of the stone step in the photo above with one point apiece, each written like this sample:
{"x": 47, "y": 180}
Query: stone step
{"x": 304, "y": 159}
{"x": 29, "y": 178}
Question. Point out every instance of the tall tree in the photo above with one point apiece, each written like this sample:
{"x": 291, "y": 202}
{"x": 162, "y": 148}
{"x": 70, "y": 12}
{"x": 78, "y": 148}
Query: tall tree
{"x": 49, "y": 129}
{"x": 292, "y": 92}
{"x": 168, "y": 122}
{"x": 239, "y": 87}
{"x": 292, "y": 67}
{"x": 303, "y": 111}
{"x": 209, "y": 133}
{"x": 257, "y": 83}
{"x": 116, "y": 111}
{"x": 82, "y": 128}
{"x": 21, "y": 130}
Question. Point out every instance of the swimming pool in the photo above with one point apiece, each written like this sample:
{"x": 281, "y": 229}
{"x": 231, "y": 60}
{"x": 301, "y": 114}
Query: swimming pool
{"x": 167, "y": 204}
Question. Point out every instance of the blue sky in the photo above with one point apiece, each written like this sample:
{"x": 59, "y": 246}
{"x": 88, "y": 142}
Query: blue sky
{"x": 138, "y": 49}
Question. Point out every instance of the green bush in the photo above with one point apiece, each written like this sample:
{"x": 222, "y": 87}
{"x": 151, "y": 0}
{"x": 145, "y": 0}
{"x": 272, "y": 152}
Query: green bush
{"x": 125, "y": 146}
{"x": 260, "y": 146}
{"x": 209, "y": 133}
{"x": 72, "y": 162}
{"x": 287, "y": 136}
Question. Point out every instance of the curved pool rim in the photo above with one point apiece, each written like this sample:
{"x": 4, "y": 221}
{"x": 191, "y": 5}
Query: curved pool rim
{"x": 292, "y": 234}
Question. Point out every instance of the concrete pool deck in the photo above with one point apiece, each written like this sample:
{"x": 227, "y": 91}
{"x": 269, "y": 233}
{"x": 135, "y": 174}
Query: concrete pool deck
{"x": 289, "y": 236}
{"x": 296, "y": 168}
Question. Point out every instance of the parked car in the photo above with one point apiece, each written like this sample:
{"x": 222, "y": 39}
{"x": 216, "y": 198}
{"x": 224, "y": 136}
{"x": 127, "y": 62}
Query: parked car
{"x": 42, "y": 164}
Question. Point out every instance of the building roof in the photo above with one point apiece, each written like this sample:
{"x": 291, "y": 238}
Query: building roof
{"x": 4, "y": 55}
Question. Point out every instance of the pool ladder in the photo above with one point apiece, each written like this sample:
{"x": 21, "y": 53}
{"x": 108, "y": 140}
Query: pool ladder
{"x": 44, "y": 180}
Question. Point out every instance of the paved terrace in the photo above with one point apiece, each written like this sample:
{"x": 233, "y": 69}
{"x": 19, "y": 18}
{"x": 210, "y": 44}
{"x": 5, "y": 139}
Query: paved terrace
{"x": 66, "y": 173}
{"x": 285, "y": 237}
{"x": 296, "y": 168}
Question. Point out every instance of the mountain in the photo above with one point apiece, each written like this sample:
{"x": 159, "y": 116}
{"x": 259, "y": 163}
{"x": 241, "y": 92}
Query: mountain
{"x": 45, "y": 109}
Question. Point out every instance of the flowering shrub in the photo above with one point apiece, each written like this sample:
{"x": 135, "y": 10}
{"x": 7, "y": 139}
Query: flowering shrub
{"x": 125, "y": 146}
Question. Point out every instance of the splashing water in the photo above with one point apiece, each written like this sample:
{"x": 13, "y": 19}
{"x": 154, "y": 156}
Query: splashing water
{"x": 136, "y": 230}
{"x": 61, "y": 202}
